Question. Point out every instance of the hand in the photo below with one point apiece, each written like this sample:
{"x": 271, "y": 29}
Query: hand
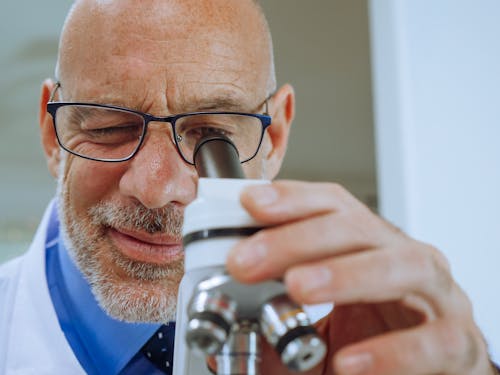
{"x": 397, "y": 308}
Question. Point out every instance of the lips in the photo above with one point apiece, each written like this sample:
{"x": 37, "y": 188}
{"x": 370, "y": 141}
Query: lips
{"x": 144, "y": 247}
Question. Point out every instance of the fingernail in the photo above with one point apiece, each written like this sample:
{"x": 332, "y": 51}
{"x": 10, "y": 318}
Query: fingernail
{"x": 262, "y": 195}
{"x": 355, "y": 364}
{"x": 250, "y": 254}
{"x": 314, "y": 278}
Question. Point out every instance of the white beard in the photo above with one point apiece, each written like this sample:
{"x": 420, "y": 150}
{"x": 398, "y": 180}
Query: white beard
{"x": 148, "y": 293}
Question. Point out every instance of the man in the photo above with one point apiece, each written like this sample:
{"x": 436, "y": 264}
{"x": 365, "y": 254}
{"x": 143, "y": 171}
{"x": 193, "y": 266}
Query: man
{"x": 102, "y": 274}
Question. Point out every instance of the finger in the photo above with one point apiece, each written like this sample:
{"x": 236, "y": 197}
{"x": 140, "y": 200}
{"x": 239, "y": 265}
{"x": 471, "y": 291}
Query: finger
{"x": 283, "y": 201}
{"x": 438, "y": 347}
{"x": 269, "y": 253}
{"x": 377, "y": 276}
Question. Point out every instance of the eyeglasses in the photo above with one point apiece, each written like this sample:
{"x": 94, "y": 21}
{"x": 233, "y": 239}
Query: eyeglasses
{"x": 114, "y": 134}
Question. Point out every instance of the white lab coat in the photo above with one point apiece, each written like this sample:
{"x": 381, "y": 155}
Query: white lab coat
{"x": 31, "y": 340}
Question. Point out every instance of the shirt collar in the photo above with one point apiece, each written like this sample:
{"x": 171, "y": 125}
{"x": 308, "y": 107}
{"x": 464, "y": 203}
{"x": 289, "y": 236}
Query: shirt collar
{"x": 109, "y": 343}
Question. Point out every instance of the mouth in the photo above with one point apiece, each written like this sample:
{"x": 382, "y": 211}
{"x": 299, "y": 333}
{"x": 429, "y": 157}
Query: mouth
{"x": 157, "y": 248}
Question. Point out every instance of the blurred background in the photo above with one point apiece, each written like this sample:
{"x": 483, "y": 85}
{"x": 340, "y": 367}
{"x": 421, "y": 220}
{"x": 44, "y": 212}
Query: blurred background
{"x": 323, "y": 51}
{"x": 398, "y": 100}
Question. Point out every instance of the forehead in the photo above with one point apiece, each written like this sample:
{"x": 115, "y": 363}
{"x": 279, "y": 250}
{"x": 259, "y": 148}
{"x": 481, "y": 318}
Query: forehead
{"x": 165, "y": 54}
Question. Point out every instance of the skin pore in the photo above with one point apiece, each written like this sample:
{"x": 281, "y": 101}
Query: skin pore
{"x": 122, "y": 221}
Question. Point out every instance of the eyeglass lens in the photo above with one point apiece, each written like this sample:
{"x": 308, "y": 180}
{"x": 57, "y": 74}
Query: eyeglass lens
{"x": 114, "y": 134}
{"x": 99, "y": 133}
{"x": 244, "y": 132}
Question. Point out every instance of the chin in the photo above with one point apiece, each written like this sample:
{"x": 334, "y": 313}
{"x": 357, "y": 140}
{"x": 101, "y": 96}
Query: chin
{"x": 126, "y": 289}
{"x": 143, "y": 302}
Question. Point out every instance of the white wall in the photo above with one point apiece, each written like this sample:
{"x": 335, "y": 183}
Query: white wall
{"x": 436, "y": 74}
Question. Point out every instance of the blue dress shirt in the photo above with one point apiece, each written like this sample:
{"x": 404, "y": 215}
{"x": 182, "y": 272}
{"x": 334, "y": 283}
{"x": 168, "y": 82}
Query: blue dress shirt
{"x": 102, "y": 345}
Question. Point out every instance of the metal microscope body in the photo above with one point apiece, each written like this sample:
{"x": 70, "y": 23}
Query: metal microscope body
{"x": 216, "y": 206}
{"x": 217, "y": 316}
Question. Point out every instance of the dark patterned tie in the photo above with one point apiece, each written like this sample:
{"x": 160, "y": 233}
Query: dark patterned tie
{"x": 160, "y": 348}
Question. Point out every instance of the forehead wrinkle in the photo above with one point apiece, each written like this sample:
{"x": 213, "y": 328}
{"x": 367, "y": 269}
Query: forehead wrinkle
{"x": 205, "y": 50}
{"x": 191, "y": 59}
{"x": 215, "y": 62}
{"x": 112, "y": 92}
{"x": 151, "y": 35}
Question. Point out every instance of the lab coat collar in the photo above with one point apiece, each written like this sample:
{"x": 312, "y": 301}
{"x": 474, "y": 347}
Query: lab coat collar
{"x": 37, "y": 344}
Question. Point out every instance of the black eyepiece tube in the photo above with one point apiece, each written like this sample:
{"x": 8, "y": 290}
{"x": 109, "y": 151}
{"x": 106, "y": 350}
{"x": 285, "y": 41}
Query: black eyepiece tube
{"x": 216, "y": 156}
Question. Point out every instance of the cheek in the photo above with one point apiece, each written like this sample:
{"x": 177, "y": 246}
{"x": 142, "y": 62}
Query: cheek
{"x": 257, "y": 167}
{"x": 254, "y": 168}
{"x": 90, "y": 182}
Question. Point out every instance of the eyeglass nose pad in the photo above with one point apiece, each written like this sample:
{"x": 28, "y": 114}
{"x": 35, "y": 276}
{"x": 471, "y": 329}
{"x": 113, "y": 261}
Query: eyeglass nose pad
{"x": 178, "y": 138}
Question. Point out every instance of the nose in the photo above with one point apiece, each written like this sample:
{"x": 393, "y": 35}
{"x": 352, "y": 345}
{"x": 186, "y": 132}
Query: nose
{"x": 157, "y": 175}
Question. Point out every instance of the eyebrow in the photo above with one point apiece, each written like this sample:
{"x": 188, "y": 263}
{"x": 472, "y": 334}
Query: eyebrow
{"x": 216, "y": 103}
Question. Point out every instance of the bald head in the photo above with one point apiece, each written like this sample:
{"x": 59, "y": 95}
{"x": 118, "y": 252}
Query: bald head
{"x": 161, "y": 57}
{"x": 165, "y": 53}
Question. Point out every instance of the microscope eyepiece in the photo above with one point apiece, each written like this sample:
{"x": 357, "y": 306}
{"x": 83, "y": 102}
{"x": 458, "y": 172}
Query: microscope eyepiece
{"x": 216, "y": 156}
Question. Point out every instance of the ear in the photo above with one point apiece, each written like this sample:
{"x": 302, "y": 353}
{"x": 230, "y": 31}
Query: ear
{"x": 47, "y": 131}
{"x": 282, "y": 110}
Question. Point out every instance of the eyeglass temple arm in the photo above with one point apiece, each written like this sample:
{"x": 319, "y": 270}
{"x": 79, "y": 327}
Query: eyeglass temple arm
{"x": 53, "y": 93}
{"x": 266, "y": 103}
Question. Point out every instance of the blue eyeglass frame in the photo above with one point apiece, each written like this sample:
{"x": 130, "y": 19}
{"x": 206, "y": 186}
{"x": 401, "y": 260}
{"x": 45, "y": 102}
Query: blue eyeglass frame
{"x": 52, "y": 108}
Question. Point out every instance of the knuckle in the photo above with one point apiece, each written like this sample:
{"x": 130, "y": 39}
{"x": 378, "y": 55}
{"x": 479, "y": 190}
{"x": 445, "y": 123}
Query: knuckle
{"x": 439, "y": 258}
{"x": 451, "y": 339}
{"x": 464, "y": 304}
{"x": 263, "y": 235}
{"x": 337, "y": 189}
{"x": 472, "y": 350}
{"x": 460, "y": 347}
{"x": 391, "y": 234}
{"x": 419, "y": 260}
{"x": 340, "y": 192}
{"x": 434, "y": 266}
{"x": 419, "y": 347}
{"x": 266, "y": 237}
{"x": 442, "y": 278}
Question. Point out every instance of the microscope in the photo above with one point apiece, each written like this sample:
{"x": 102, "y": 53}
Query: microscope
{"x": 220, "y": 322}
